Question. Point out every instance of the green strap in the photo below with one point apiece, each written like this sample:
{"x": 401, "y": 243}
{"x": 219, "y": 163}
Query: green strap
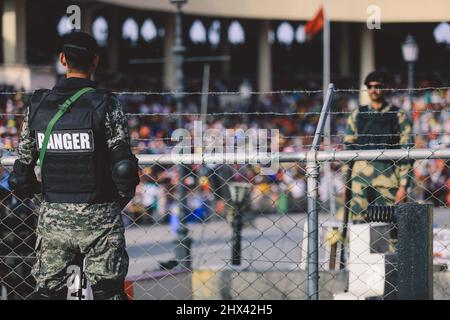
{"x": 62, "y": 109}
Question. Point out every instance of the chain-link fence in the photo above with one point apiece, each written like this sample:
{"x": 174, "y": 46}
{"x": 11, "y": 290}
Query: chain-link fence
{"x": 227, "y": 227}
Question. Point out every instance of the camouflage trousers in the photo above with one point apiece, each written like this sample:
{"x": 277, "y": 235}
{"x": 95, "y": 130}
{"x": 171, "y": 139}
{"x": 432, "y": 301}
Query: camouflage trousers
{"x": 57, "y": 248}
{"x": 372, "y": 183}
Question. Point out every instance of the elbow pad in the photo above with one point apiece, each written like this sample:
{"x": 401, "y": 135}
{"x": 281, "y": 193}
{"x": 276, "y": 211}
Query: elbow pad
{"x": 125, "y": 170}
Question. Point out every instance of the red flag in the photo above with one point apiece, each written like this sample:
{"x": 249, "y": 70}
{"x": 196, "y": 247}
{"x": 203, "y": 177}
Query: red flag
{"x": 315, "y": 24}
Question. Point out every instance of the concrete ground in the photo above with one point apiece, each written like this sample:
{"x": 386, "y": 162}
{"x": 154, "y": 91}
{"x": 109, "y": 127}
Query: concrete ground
{"x": 269, "y": 243}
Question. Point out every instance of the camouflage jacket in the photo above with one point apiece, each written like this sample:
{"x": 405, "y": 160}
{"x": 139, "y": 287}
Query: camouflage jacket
{"x": 78, "y": 216}
{"x": 399, "y": 169}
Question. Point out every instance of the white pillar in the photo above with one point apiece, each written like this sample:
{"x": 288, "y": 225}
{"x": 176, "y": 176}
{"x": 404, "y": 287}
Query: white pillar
{"x": 264, "y": 58}
{"x": 14, "y": 37}
{"x": 169, "y": 61}
{"x": 367, "y": 61}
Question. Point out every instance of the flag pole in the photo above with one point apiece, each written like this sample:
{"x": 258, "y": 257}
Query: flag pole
{"x": 326, "y": 80}
{"x": 326, "y": 46}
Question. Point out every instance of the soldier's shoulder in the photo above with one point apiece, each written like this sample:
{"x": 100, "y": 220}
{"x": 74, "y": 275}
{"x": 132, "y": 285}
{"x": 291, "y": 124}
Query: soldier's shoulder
{"x": 400, "y": 111}
{"x": 113, "y": 99}
{"x": 103, "y": 93}
{"x": 110, "y": 98}
{"x": 38, "y": 94}
{"x": 362, "y": 108}
{"x": 40, "y": 91}
{"x": 114, "y": 110}
{"x": 396, "y": 108}
{"x": 359, "y": 109}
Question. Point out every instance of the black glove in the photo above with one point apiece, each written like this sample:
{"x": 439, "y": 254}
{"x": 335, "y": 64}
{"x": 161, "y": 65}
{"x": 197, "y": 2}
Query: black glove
{"x": 22, "y": 180}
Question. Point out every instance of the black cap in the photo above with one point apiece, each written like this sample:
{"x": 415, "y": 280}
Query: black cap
{"x": 78, "y": 42}
{"x": 377, "y": 76}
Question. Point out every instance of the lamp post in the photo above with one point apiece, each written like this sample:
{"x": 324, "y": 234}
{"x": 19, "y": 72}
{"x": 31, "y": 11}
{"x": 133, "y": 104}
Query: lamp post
{"x": 183, "y": 241}
{"x": 410, "y": 51}
{"x": 239, "y": 192}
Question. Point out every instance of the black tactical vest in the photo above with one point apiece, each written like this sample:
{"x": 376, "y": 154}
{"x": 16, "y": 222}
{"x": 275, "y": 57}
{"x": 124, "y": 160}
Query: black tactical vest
{"x": 378, "y": 130}
{"x": 77, "y": 167}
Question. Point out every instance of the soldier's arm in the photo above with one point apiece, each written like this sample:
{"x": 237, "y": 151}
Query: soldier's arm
{"x": 124, "y": 163}
{"x": 405, "y": 142}
{"x": 116, "y": 124}
{"x": 22, "y": 178}
{"x": 27, "y": 143}
{"x": 350, "y": 139}
{"x": 351, "y": 131}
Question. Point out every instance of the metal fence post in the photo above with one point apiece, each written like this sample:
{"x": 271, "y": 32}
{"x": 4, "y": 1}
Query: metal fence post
{"x": 183, "y": 242}
{"x": 312, "y": 168}
{"x": 236, "y": 237}
{"x": 415, "y": 251}
{"x": 239, "y": 192}
{"x": 415, "y": 247}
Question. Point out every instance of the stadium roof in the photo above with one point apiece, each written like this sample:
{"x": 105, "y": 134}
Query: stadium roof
{"x": 340, "y": 10}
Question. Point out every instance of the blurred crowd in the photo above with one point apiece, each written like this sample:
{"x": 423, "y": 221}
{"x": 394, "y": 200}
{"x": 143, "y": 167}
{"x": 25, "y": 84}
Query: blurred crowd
{"x": 284, "y": 190}
{"x": 152, "y": 119}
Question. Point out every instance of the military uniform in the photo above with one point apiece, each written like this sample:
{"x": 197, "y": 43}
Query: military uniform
{"x": 65, "y": 230}
{"x": 377, "y": 181}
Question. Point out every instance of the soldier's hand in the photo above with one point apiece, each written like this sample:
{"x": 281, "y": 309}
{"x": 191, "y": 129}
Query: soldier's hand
{"x": 22, "y": 181}
{"x": 401, "y": 195}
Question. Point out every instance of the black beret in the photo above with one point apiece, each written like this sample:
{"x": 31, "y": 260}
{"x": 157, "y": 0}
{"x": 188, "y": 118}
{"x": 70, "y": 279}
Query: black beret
{"x": 78, "y": 42}
{"x": 377, "y": 76}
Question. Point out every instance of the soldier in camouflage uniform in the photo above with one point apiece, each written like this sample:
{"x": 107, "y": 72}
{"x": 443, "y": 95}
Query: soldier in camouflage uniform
{"x": 86, "y": 180}
{"x": 379, "y": 125}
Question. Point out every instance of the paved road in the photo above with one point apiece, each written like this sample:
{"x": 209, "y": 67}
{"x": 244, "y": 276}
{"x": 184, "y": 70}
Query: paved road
{"x": 271, "y": 242}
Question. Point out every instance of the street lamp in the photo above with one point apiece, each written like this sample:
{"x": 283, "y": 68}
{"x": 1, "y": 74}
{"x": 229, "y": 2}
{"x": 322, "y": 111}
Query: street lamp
{"x": 410, "y": 51}
{"x": 183, "y": 241}
{"x": 239, "y": 193}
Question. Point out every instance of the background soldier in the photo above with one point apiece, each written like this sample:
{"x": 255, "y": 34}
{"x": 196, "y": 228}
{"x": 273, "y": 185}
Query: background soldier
{"x": 88, "y": 175}
{"x": 378, "y": 125}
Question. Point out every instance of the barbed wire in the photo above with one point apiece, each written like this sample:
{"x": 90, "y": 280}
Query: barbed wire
{"x": 216, "y": 93}
{"x": 256, "y": 113}
{"x": 333, "y": 145}
{"x": 268, "y": 113}
{"x": 213, "y": 93}
{"x": 394, "y": 89}
{"x": 276, "y": 92}
{"x": 305, "y": 136}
